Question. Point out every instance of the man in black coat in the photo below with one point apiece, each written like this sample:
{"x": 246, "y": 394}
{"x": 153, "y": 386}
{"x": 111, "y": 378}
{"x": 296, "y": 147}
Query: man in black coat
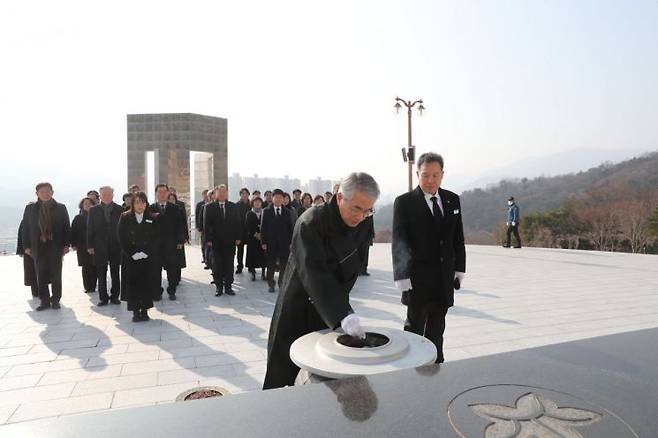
{"x": 222, "y": 232}
{"x": 171, "y": 239}
{"x": 103, "y": 244}
{"x": 328, "y": 248}
{"x": 244, "y": 206}
{"x": 46, "y": 234}
{"x": 429, "y": 256}
{"x": 198, "y": 221}
{"x": 276, "y": 235}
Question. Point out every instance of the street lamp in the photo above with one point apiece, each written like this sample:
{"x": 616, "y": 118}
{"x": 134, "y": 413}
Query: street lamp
{"x": 409, "y": 154}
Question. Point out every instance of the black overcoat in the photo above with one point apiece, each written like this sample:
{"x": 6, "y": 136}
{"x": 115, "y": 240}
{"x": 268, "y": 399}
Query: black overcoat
{"x": 102, "y": 236}
{"x": 276, "y": 232}
{"x": 222, "y": 231}
{"x": 255, "y": 253}
{"x": 142, "y": 277}
{"x": 425, "y": 250}
{"x": 79, "y": 239}
{"x": 171, "y": 233}
{"x": 61, "y": 233}
{"x": 325, "y": 261}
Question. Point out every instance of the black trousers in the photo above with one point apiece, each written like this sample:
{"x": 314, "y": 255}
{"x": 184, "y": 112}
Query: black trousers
{"x": 222, "y": 268}
{"x": 89, "y": 277}
{"x": 365, "y": 260}
{"x": 240, "y": 256}
{"x": 513, "y": 229}
{"x": 428, "y": 320}
{"x": 173, "y": 278}
{"x": 101, "y": 270}
{"x": 272, "y": 263}
{"x": 49, "y": 269}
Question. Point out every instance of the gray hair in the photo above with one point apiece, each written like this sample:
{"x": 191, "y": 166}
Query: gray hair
{"x": 359, "y": 181}
{"x": 106, "y": 188}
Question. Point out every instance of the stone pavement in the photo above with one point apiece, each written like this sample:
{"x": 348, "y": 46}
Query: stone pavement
{"x": 84, "y": 358}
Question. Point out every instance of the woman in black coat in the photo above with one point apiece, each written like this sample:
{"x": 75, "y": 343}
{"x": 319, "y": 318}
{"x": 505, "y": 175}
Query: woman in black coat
{"x": 79, "y": 244}
{"x": 29, "y": 273}
{"x": 138, "y": 237}
{"x": 255, "y": 253}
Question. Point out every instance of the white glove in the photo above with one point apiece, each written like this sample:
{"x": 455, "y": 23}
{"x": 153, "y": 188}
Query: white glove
{"x": 507, "y": 223}
{"x": 352, "y": 326}
{"x": 513, "y": 224}
{"x": 139, "y": 256}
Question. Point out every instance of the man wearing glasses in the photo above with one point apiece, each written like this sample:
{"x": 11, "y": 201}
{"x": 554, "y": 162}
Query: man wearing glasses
{"x": 429, "y": 256}
{"x": 328, "y": 249}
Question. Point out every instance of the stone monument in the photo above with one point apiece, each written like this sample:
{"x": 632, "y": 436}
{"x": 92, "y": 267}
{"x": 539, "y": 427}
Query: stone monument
{"x": 164, "y": 148}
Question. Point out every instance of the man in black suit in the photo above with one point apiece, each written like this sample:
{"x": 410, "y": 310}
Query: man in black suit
{"x": 198, "y": 221}
{"x": 222, "y": 228}
{"x": 103, "y": 244}
{"x": 429, "y": 256}
{"x": 244, "y": 206}
{"x": 173, "y": 233}
{"x": 45, "y": 236}
{"x": 276, "y": 235}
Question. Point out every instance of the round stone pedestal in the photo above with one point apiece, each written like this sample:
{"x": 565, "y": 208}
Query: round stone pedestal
{"x": 334, "y": 355}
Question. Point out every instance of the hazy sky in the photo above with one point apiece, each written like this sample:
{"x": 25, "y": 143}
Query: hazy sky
{"x": 308, "y": 87}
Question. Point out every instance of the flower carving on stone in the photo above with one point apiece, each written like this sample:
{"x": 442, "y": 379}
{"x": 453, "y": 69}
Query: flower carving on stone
{"x": 534, "y": 416}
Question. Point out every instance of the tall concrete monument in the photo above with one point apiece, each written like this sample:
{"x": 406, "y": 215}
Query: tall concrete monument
{"x": 187, "y": 151}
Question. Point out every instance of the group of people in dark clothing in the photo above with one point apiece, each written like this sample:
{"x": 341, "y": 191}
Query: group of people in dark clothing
{"x": 137, "y": 241}
{"x": 262, "y": 226}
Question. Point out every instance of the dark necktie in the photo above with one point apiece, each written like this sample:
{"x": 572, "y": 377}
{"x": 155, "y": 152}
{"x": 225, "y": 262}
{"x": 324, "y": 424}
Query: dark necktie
{"x": 435, "y": 209}
{"x": 278, "y": 211}
{"x": 162, "y": 208}
{"x": 221, "y": 209}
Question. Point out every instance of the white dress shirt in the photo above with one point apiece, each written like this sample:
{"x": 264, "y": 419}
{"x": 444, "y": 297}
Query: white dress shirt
{"x": 405, "y": 284}
{"x": 139, "y": 217}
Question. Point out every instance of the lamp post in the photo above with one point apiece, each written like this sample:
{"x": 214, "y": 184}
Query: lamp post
{"x": 409, "y": 155}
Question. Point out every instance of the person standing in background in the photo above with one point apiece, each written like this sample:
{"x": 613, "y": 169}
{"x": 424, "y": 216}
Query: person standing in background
{"x": 138, "y": 237}
{"x": 79, "y": 244}
{"x": 171, "y": 239}
{"x": 255, "y": 253}
{"x": 198, "y": 221}
{"x": 243, "y": 207}
{"x": 512, "y": 223}
{"x": 46, "y": 234}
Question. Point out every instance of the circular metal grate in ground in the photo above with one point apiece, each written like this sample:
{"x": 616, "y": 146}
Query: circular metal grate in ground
{"x": 372, "y": 340}
{"x": 202, "y": 392}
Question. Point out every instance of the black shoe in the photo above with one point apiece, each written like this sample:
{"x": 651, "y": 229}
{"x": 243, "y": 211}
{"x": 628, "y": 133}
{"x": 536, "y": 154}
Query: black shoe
{"x": 212, "y": 282}
{"x": 219, "y": 293}
{"x": 115, "y": 301}
{"x": 517, "y": 247}
{"x": 206, "y": 267}
{"x": 157, "y": 298}
{"x": 55, "y": 306}
{"x": 229, "y": 291}
{"x": 172, "y": 297}
{"x": 506, "y": 246}
{"x": 43, "y": 306}
{"x": 253, "y": 276}
{"x": 145, "y": 315}
{"x": 102, "y": 303}
{"x": 365, "y": 273}
{"x": 271, "y": 289}
{"x": 137, "y": 316}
